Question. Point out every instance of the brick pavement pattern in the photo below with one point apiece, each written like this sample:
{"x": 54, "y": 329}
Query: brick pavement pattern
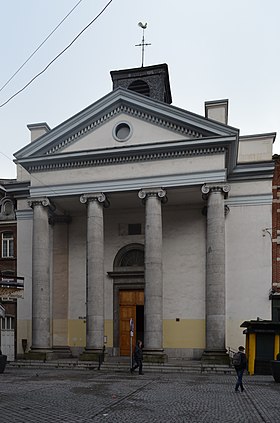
{"x": 83, "y": 396}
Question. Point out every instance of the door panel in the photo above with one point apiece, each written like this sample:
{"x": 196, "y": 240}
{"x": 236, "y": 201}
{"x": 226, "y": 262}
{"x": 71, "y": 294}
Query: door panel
{"x": 128, "y": 301}
{"x": 126, "y": 313}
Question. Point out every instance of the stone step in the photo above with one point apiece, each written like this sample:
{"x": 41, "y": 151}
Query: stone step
{"x": 172, "y": 367}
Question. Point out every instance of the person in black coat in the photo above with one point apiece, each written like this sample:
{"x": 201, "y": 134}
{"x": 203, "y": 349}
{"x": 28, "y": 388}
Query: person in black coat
{"x": 138, "y": 357}
{"x": 240, "y": 369}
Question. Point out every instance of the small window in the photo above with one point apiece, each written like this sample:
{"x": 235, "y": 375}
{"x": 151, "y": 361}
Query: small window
{"x": 122, "y": 132}
{"x": 134, "y": 229}
{"x": 7, "y": 244}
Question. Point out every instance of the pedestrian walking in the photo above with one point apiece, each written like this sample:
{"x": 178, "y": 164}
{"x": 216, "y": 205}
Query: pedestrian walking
{"x": 138, "y": 358}
{"x": 240, "y": 364}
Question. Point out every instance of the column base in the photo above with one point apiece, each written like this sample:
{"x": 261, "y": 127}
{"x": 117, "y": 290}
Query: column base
{"x": 154, "y": 355}
{"x": 95, "y": 354}
{"x": 215, "y": 357}
{"x": 58, "y": 353}
{"x": 48, "y": 354}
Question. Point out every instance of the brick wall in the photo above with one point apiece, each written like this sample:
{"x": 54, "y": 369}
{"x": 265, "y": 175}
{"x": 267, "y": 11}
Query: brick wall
{"x": 276, "y": 225}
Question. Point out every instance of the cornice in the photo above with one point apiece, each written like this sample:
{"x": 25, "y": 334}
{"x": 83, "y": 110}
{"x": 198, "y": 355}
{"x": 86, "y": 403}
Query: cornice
{"x": 121, "y": 156}
{"x": 249, "y": 171}
{"x": 249, "y": 200}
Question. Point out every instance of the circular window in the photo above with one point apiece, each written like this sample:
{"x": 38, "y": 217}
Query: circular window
{"x": 122, "y": 131}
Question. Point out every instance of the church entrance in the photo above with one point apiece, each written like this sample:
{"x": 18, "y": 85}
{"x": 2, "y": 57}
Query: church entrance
{"x": 131, "y": 305}
{"x": 128, "y": 297}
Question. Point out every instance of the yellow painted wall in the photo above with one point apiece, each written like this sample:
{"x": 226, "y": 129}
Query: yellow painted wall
{"x": 252, "y": 353}
{"x": 23, "y": 332}
{"x": 77, "y": 333}
{"x": 108, "y": 331}
{"x": 184, "y": 334}
{"x": 60, "y": 332}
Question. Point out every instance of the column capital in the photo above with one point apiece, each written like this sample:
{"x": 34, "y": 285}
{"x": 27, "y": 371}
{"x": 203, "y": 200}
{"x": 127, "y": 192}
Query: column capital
{"x": 96, "y": 196}
{"x": 153, "y": 192}
{"x": 207, "y": 188}
{"x": 43, "y": 201}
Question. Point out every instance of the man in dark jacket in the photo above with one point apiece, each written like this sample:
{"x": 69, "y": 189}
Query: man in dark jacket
{"x": 138, "y": 357}
{"x": 240, "y": 369}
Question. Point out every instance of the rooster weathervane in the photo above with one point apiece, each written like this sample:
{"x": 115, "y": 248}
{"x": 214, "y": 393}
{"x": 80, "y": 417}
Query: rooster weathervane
{"x": 142, "y": 44}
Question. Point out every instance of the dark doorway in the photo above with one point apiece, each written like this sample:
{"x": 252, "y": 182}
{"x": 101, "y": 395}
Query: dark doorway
{"x": 264, "y": 353}
{"x": 140, "y": 322}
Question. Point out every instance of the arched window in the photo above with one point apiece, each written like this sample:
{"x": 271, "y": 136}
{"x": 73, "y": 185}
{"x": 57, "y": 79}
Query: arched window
{"x": 133, "y": 258}
{"x": 131, "y": 255}
{"x": 140, "y": 86}
{"x": 7, "y": 210}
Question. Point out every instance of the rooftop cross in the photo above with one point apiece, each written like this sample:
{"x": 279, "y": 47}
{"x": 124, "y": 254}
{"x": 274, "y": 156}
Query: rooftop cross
{"x": 142, "y": 44}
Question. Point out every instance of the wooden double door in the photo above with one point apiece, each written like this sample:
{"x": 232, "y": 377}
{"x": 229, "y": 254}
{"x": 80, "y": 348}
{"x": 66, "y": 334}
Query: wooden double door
{"x": 131, "y": 305}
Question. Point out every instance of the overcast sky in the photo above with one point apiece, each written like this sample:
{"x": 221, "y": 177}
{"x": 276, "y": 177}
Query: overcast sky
{"x": 218, "y": 49}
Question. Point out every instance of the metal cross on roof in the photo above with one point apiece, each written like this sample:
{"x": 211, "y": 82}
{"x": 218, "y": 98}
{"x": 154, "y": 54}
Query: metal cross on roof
{"x": 142, "y": 44}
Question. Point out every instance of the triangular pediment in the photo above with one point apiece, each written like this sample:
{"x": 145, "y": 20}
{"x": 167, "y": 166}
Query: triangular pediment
{"x": 123, "y": 130}
{"x": 148, "y": 121}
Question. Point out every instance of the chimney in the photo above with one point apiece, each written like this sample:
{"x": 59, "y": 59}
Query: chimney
{"x": 38, "y": 129}
{"x": 217, "y": 110}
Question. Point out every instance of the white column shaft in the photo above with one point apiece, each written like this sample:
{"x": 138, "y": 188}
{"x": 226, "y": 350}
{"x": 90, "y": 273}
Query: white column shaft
{"x": 95, "y": 275}
{"x": 153, "y": 274}
{"x": 215, "y": 277}
{"x": 40, "y": 278}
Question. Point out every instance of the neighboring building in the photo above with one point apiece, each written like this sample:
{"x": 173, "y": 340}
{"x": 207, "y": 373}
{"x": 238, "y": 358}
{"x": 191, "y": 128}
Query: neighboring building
{"x": 141, "y": 210}
{"x": 8, "y": 266}
{"x": 275, "y": 238}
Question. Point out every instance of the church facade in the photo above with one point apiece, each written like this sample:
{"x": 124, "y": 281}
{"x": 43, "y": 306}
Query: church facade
{"x": 143, "y": 218}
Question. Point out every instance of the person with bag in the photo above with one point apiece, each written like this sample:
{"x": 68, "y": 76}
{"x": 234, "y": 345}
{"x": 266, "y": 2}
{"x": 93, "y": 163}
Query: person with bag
{"x": 138, "y": 357}
{"x": 240, "y": 364}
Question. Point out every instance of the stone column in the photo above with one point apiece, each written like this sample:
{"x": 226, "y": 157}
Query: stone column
{"x": 41, "y": 338}
{"x": 153, "y": 343}
{"x": 95, "y": 275}
{"x": 60, "y": 285}
{"x": 215, "y": 270}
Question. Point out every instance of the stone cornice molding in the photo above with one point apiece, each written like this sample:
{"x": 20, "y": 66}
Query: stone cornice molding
{"x": 255, "y": 170}
{"x": 26, "y": 214}
{"x": 121, "y": 156}
{"x": 100, "y": 197}
{"x": 206, "y": 189}
{"x": 160, "y": 193}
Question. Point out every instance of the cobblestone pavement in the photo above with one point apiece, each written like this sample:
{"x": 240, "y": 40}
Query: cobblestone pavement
{"x": 82, "y": 396}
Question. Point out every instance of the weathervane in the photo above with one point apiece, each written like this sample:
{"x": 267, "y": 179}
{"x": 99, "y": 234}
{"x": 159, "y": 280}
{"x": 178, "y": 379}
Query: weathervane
{"x": 142, "y": 44}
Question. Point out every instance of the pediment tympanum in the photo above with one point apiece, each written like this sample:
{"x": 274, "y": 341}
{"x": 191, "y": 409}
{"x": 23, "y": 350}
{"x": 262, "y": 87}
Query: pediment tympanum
{"x": 145, "y": 121}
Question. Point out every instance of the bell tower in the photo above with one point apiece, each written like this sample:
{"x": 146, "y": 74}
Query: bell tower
{"x": 152, "y": 81}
